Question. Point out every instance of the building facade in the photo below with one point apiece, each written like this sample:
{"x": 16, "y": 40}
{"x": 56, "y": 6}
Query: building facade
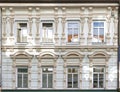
{"x": 59, "y": 47}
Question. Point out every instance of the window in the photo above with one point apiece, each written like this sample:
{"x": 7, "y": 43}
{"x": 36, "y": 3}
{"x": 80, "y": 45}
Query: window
{"x": 72, "y": 77}
{"x": 98, "y": 31}
{"x": 98, "y": 77}
{"x": 47, "y": 32}
{"x": 21, "y": 32}
{"x": 47, "y": 77}
{"x": 73, "y": 31}
{"x": 22, "y": 77}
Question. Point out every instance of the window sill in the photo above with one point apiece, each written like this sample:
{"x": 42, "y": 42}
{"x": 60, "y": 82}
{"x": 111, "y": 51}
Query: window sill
{"x": 72, "y": 43}
{"x": 98, "y": 43}
{"x": 21, "y": 43}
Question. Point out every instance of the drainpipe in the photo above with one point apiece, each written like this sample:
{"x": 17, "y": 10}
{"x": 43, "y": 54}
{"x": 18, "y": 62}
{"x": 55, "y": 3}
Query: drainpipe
{"x": 118, "y": 68}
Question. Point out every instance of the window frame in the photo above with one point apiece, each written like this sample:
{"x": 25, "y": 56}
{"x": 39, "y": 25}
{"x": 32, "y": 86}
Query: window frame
{"x": 22, "y": 78}
{"x": 16, "y": 30}
{"x": 98, "y": 73}
{"x": 47, "y": 77}
{"x": 73, "y": 21}
{"x": 76, "y": 67}
{"x": 41, "y": 32}
{"x": 99, "y": 20}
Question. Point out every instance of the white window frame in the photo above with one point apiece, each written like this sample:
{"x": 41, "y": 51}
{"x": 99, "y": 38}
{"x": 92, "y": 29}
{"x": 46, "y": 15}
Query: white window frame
{"x": 98, "y": 76}
{"x": 22, "y": 78}
{"x": 99, "y": 20}
{"x": 72, "y": 21}
{"x": 41, "y": 32}
{"x": 16, "y": 30}
{"x": 76, "y": 67}
{"x": 47, "y": 77}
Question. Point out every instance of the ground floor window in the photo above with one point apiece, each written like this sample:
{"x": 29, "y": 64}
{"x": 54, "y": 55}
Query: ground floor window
{"x": 22, "y": 77}
{"x": 98, "y": 77}
{"x": 72, "y": 77}
{"x": 47, "y": 77}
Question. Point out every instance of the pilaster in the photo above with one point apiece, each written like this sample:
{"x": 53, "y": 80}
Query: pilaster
{"x": 89, "y": 39}
{"x": 82, "y": 38}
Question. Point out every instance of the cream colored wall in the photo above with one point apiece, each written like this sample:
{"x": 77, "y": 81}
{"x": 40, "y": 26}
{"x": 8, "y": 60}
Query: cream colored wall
{"x": 60, "y": 15}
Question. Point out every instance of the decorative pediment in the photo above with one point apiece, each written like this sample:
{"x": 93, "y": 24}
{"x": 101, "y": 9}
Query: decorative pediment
{"x": 21, "y": 55}
{"x": 73, "y": 54}
{"x": 47, "y": 55}
{"x": 99, "y": 54}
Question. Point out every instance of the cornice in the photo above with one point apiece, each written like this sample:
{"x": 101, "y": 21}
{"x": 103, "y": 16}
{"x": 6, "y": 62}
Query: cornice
{"x": 61, "y": 47}
{"x": 59, "y": 1}
{"x": 57, "y": 4}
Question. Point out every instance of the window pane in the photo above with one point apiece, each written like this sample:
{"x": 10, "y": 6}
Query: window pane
{"x": 50, "y": 80}
{"x": 95, "y": 24}
{"x": 100, "y": 84}
{"x": 22, "y": 70}
{"x": 47, "y": 32}
{"x": 101, "y": 34}
{"x": 25, "y": 80}
{"x": 95, "y": 77}
{"x": 73, "y": 29}
{"x": 69, "y": 80}
{"x": 44, "y": 80}
{"x": 75, "y": 80}
{"x": 95, "y": 84}
{"x": 22, "y": 32}
{"x": 19, "y": 80}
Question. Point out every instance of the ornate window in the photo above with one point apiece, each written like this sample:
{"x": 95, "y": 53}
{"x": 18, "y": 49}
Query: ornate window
{"x": 21, "y": 31}
{"x": 72, "y": 77}
{"x": 22, "y": 77}
{"x": 47, "y": 31}
{"x": 98, "y": 77}
{"x": 73, "y": 28}
{"x": 98, "y": 31}
{"x": 47, "y": 77}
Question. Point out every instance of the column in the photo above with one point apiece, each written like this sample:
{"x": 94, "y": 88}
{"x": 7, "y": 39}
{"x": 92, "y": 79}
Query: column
{"x": 14, "y": 73}
{"x": 54, "y": 74}
{"x": 82, "y": 38}
{"x": 63, "y": 31}
{"x": 89, "y": 39}
{"x": 56, "y": 32}
{"x": 4, "y": 22}
{"x": 80, "y": 73}
{"x": 29, "y": 73}
{"x": 65, "y": 77}
{"x": 39, "y": 74}
{"x": 108, "y": 32}
{"x": 63, "y": 25}
{"x": 37, "y": 38}
{"x": 115, "y": 31}
{"x": 30, "y": 26}
{"x": 90, "y": 78}
{"x": 106, "y": 73}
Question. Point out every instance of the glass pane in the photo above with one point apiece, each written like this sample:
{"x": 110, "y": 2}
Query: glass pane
{"x": 74, "y": 70}
{"x": 95, "y": 84}
{"x": 100, "y": 84}
{"x": 22, "y": 70}
{"x": 101, "y": 34}
{"x": 69, "y": 70}
{"x": 25, "y": 80}
{"x": 50, "y": 80}
{"x": 75, "y": 80}
{"x": 95, "y": 77}
{"x": 95, "y": 24}
{"x": 44, "y": 80}
{"x": 19, "y": 80}
{"x": 47, "y": 24}
{"x": 95, "y": 35}
{"x": 101, "y": 24}
{"x": 48, "y": 69}
{"x": 69, "y": 80}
